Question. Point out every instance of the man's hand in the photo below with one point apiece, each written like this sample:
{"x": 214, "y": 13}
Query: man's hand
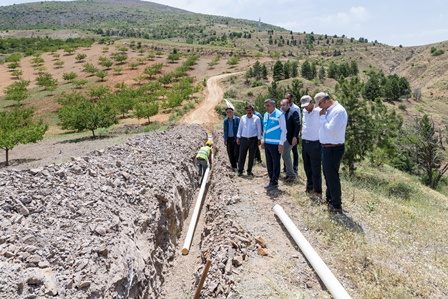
{"x": 238, "y": 141}
{"x": 262, "y": 145}
{"x": 280, "y": 148}
{"x": 294, "y": 141}
{"x": 225, "y": 143}
{"x": 259, "y": 142}
{"x": 323, "y": 111}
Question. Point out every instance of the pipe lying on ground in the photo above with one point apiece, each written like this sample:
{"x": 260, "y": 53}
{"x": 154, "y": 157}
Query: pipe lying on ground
{"x": 325, "y": 274}
{"x": 229, "y": 105}
{"x": 201, "y": 281}
{"x": 195, "y": 216}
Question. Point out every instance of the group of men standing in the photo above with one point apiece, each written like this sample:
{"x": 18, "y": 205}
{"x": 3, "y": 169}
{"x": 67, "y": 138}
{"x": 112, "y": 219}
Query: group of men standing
{"x": 322, "y": 124}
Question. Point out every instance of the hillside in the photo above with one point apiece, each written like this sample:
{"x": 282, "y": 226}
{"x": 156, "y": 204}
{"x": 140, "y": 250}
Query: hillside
{"x": 84, "y": 217}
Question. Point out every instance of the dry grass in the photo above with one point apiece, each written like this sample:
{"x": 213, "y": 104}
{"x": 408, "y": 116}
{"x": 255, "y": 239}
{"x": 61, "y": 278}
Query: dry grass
{"x": 384, "y": 246}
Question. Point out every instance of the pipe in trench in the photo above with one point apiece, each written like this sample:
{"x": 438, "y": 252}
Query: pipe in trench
{"x": 325, "y": 274}
{"x": 194, "y": 217}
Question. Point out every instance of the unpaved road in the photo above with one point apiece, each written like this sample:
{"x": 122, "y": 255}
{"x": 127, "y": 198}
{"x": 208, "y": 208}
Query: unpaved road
{"x": 205, "y": 113}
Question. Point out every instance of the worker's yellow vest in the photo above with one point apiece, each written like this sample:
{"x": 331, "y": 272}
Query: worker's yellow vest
{"x": 204, "y": 153}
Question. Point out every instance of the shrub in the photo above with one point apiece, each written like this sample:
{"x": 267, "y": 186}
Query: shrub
{"x": 401, "y": 190}
{"x": 402, "y": 106}
{"x": 438, "y": 52}
{"x": 257, "y": 83}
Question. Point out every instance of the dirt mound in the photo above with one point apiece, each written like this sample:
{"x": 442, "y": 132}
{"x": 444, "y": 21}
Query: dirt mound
{"x": 104, "y": 225}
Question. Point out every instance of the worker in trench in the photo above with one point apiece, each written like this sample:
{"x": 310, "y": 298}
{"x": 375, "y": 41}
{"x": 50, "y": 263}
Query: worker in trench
{"x": 204, "y": 158}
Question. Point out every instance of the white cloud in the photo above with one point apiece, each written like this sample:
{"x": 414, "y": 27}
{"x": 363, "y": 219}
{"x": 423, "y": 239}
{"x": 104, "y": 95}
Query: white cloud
{"x": 360, "y": 13}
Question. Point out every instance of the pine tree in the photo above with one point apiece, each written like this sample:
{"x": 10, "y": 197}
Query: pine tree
{"x": 424, "y": 143}
{"x": 369, "y": 124}
{"x": 278, "y": 71}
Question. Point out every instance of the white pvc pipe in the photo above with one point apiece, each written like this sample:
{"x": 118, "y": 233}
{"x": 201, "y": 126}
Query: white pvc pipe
{"x": 325, "y": 274}
{"x": 195, "y": 216}
{"x": 229, "y": 104}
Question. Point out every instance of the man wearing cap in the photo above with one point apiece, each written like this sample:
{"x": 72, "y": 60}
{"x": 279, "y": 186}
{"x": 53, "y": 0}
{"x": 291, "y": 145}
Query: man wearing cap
{"x": 274, "y": 136}
{"x": 294, "y": 107}
{"x": 248, "y": 138}
{"x": 231, "y": 123}
{"x": 333, "y": 122}
{"x": 292, "y": 133}
{"x": 311, "y": 148}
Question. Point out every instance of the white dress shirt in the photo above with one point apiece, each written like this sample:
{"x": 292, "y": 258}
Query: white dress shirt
{"x": 249, "y": 127}
{"x": 333, "y": 124}
{"x": 311, "y": 124}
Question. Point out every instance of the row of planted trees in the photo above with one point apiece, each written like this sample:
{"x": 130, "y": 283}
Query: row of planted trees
{"x": 98, "y": 106}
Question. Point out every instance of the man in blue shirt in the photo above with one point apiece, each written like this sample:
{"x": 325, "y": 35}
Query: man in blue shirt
{"x": 274, "y": 136}
{"x": 231, "y": 123}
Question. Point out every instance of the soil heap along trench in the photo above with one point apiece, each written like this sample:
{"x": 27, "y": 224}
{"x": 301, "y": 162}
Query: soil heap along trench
{"x": 104, "y": 225}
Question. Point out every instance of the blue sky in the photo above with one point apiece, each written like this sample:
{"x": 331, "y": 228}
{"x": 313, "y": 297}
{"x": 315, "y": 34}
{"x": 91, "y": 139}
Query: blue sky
{"x": 393, "y": 22}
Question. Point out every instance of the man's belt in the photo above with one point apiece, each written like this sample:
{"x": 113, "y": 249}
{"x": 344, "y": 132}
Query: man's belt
{"x": 248, "y": 138}
{"x": 331, "y": 145}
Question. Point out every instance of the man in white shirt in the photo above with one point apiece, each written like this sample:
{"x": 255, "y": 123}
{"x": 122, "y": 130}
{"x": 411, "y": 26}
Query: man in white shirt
{"x": 311, "y": 148}
{"x": 248, "y": 138}
{"x": 333, "y": 122}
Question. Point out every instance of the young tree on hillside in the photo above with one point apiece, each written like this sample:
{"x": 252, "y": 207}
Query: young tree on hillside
{"x": 79, "y": 113}
{"x": 423, "y": 144}
{"x": 17, "y": 126}
{"x": 146, "y": 109}
{"x": 80, "y": 57}
{"x": 278, "y": 71}
{"x": 69, "y": 76}
{"x": 17, "y": 91}
{"x": 47, "y": 81}
{"x": 307, "y": 71}
{"x": 369, "y": 124}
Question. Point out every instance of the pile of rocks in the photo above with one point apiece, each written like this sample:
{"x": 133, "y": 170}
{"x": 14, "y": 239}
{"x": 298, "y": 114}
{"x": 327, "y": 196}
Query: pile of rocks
{"x": 104, "y": 225}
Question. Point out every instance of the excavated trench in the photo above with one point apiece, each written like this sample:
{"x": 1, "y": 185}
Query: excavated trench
{"x": 108, "y": 224}
{"x": 103, "y": 225}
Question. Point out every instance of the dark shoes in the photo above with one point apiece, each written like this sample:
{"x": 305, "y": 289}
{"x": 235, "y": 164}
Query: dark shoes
{"x": 332, "y": 209}
{"x": 250, "y": 173}
{"x": 240, "y": 173}
{"x": 295, "y": 169}
{"x": 290, "y": 179}
{"x": 272, "y": 188}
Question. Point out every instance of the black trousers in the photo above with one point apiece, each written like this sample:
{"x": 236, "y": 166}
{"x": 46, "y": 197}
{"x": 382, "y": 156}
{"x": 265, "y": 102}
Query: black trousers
{"x": 331, "y": 161}
{"x": 233, "y": 151}
{"x": 247, "y": 144}
{"x": 312, "y": 160}
{"x": 272, "y": 162}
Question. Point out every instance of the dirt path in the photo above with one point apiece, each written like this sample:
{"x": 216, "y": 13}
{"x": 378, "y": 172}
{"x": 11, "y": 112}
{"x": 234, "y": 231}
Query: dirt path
{"x": 205, "y": 113}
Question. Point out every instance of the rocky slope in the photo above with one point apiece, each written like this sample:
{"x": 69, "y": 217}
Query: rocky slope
{"x": 104, "y": 225}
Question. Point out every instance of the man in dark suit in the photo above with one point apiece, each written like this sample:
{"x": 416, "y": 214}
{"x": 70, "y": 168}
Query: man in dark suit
{"x": 292, "y": 134}
{"x": 231, "y": 123}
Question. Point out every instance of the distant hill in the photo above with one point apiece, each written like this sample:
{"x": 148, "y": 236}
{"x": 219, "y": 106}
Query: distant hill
{"x": 181, "y": 28}
{"x": 131, "y": 18}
